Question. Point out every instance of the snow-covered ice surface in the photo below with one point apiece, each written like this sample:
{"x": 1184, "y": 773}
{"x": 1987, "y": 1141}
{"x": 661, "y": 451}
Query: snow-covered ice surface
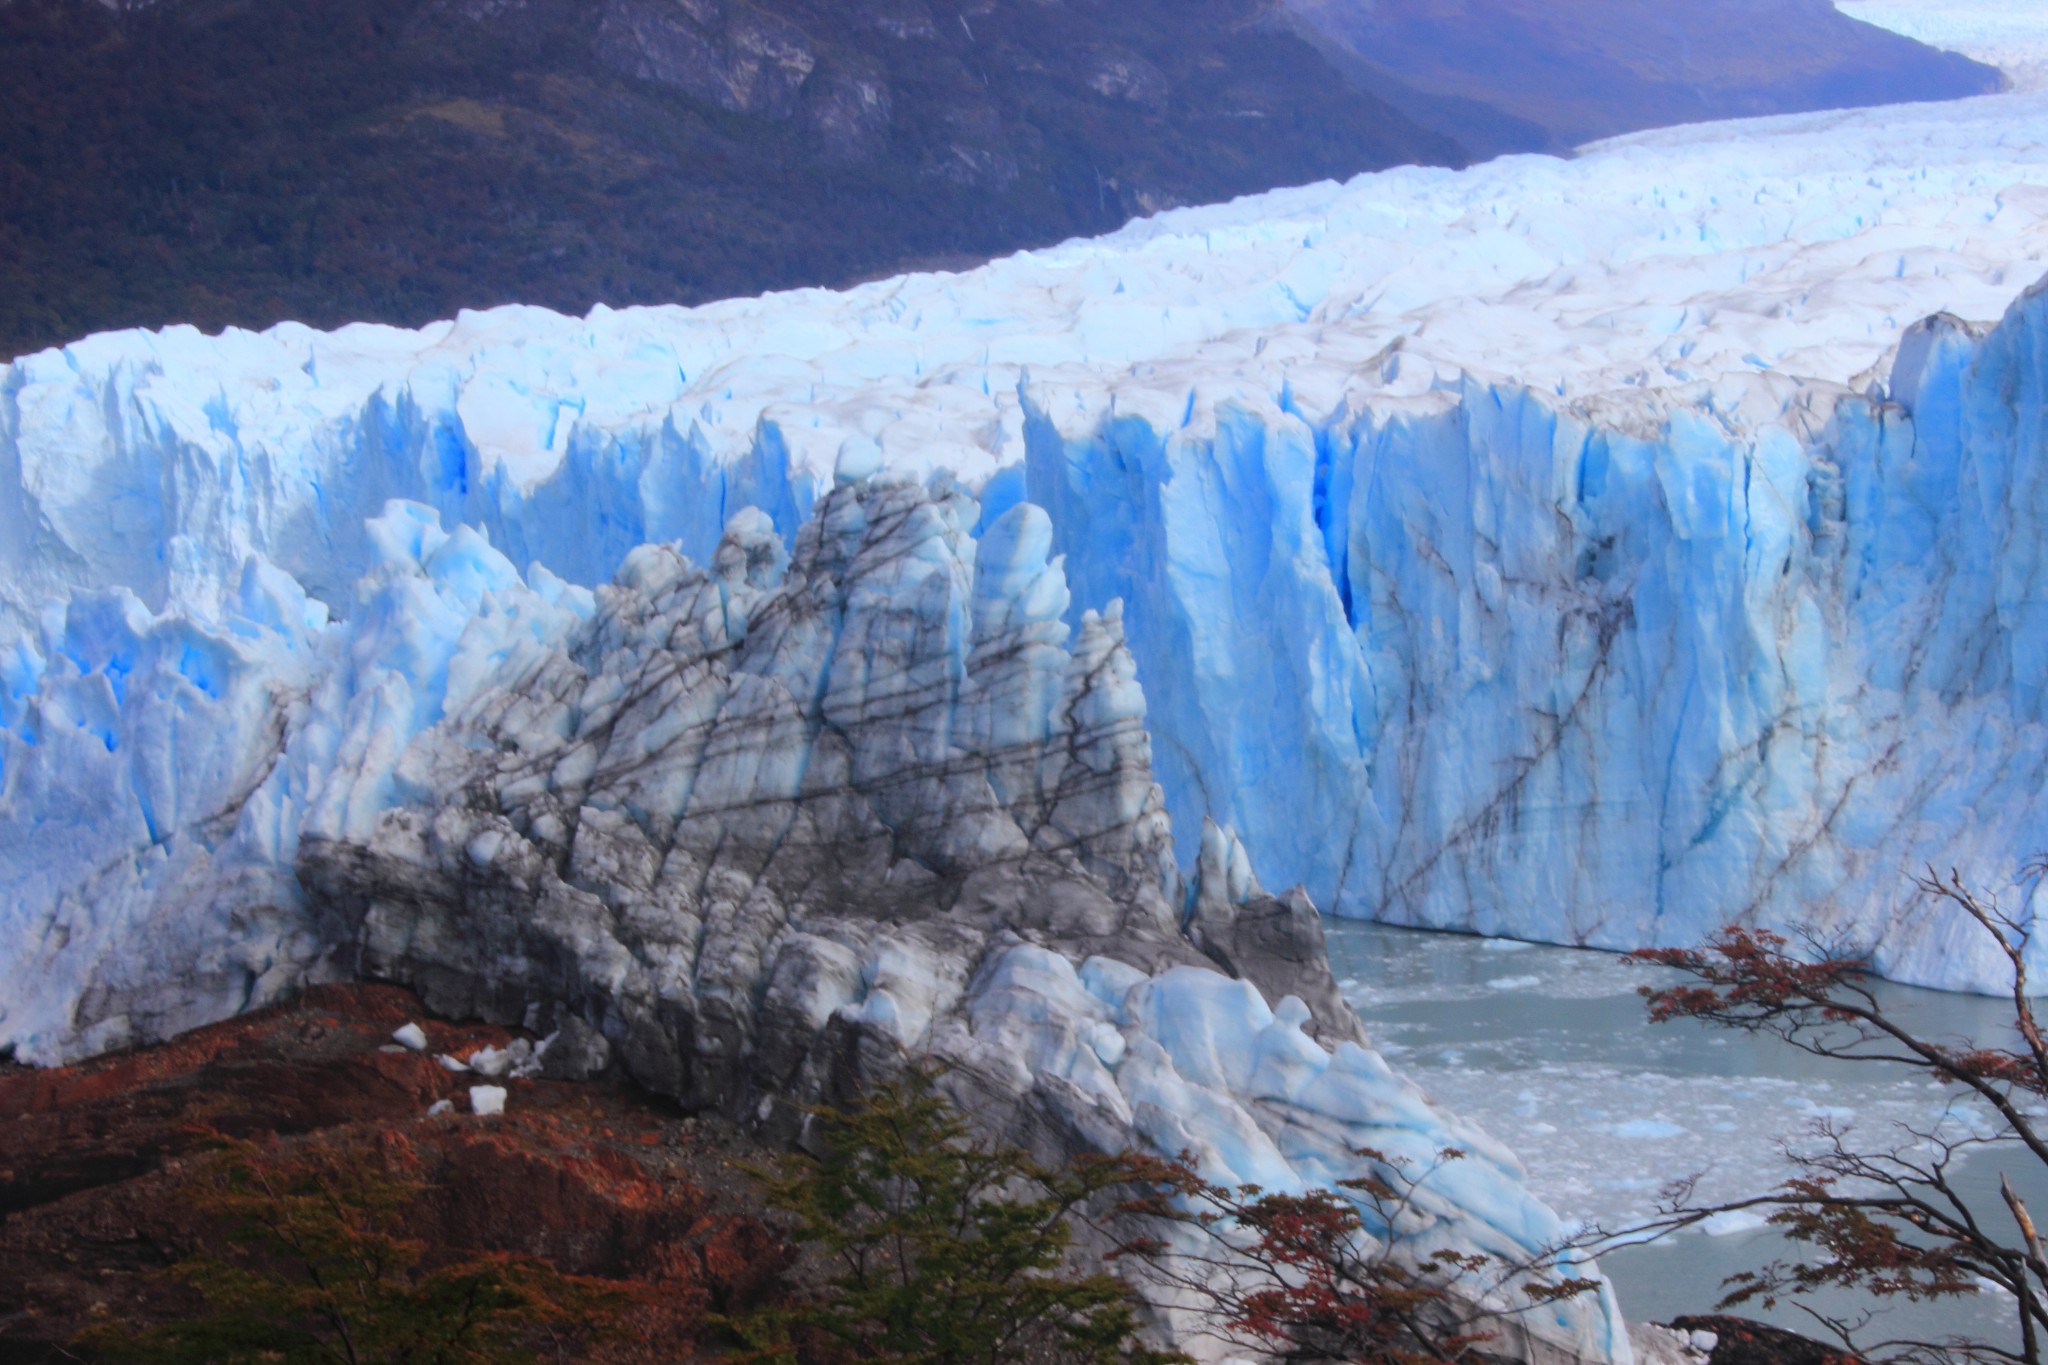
{"x": 2005, "y": 33}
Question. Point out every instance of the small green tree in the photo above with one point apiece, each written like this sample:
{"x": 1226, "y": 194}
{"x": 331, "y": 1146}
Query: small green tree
{"x": 309, "y": 1265}
{"x": 943, "y": 1249}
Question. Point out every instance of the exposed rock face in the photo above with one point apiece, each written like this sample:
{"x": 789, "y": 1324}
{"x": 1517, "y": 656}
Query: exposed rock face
{"x": 766, "y": 829}
{"x": 750, "y": 816}
{"x": 1731, "y": 1340}
{"x": 1274, "y": 942}
{"x": 977, "y": 150}
{"x": 741, "y": 59}
{"x": 902, "y": 19}
{"x": 848, "y": 114}
{"x": 1120, "y": 75}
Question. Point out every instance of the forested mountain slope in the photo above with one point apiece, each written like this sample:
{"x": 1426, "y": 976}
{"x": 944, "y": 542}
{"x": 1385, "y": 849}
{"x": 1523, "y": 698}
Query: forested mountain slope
{"x": 328, "y": 161}
{"x": 222, "y": 161}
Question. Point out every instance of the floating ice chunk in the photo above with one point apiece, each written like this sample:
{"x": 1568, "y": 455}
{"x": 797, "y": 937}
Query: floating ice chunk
{"x": 1734, "y": 1222}
{"x": 1647, "y": 1129}
{"x": 411, "y": 1036}
{"x": 485, "y": 1100}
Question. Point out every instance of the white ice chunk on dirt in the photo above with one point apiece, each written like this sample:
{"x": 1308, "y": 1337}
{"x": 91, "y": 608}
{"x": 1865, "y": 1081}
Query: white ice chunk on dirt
{"x": 520, "y": 1059}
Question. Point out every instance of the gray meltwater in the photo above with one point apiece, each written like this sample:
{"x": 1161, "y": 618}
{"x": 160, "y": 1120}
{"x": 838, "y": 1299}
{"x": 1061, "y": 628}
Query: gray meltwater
{"x": 1552, "y": 1052}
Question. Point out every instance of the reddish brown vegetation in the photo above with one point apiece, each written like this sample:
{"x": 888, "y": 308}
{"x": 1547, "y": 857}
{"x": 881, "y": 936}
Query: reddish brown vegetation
{"x": 109, "y": 1165}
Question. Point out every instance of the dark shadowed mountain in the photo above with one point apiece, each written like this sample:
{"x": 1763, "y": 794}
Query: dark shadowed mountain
{"x": 243, "y": 161}
{"x": 1529, "y": 75}
{"x": 246, "y": 161}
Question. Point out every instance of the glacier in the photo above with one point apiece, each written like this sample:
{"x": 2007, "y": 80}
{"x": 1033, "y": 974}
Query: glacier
{"x": 1589, "y": 550}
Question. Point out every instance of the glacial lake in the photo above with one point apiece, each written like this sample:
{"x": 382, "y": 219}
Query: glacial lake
{"x": 1551, "y": 1051}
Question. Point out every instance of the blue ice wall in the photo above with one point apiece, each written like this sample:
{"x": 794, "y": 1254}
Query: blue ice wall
{"x": 1611, "y": 674}
{"x": 1501, "y": 668}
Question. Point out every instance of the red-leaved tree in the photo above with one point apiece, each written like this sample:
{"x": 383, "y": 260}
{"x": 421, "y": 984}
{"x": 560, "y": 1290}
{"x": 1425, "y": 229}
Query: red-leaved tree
{"x": 1330, "y": 1275}
{"x": 1888, "y": 1219}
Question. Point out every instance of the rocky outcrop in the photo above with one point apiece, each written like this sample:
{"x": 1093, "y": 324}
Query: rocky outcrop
{"x": 752, "y": 820}
{"x": 742, "y": 59}
{"x": 1724, "y": 1340}
{"x": 764, "y": 830}
{"x": 904, "y": 20}
{"x": 1274, "y": 942}
{"x": 848, "y": 114}
{"x": 1119, "y": 75}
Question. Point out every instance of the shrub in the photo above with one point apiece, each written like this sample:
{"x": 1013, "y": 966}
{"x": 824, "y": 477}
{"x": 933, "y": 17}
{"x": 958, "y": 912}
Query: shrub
{"x": 1889, "y": 1220}
{"x": 312, "y": 1265}
{"x": 941, "y": 1249}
